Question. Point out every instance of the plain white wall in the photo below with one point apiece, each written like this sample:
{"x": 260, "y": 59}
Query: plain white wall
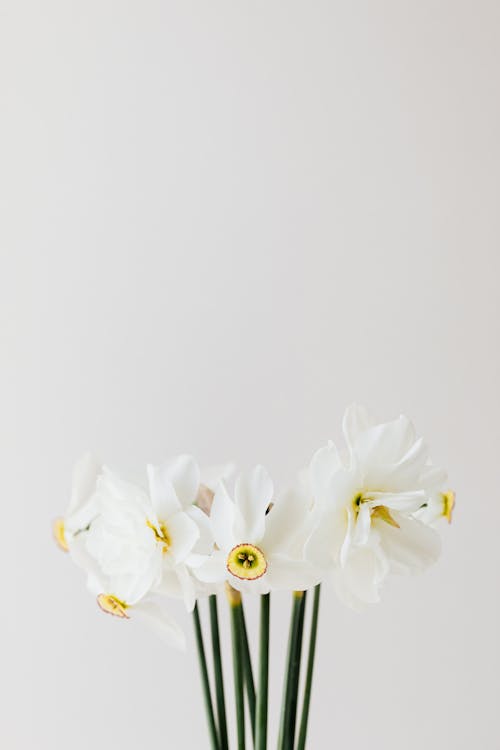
{"x": 222, "y": 222}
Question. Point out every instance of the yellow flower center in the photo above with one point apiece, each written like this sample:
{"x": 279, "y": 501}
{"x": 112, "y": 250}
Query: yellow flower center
{"x": 379, "y": 511}
{"x": 448, "y": 504}
{"x": 113, "y": 606}
{"x": 161, "y": 535}
{"x": 246, "y": 561}
{"x": 383, "y": 513}
{"x": 59, "y": 532}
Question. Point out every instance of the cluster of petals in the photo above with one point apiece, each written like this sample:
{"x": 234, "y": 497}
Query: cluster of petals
{"x": 353, "y": 519}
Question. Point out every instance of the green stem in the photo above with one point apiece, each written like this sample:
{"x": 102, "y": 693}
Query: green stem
{"x": 261, "y": 721}
{"x": 291, "y": 687}
{"x": 248, "y": 672}
{"x": 237, "y": 638}
{"x": 310, "y": 668}
{"x": 219, "y": 677}
{"x": 212, "y": 730}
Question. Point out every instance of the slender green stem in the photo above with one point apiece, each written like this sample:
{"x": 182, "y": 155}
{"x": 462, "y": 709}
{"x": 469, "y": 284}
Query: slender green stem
{"x": 291, "y": 686}
{"x": 219, "y": 677}
{"x": 248, "y": 671}
{"x": 310, "y": 669}
{"x": 261, "y": 721}
{"x": 212, "y": 730}
{"x": 237, "y": 637}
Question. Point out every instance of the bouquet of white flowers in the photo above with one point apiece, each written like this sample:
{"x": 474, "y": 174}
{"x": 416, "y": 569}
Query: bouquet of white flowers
{"x": 350, "y": 520}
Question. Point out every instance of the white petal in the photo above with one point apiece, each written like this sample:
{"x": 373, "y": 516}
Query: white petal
{"x": 82, "y": 517}
{"x": 131, "y": 588}
{"x": 114, "y": 491}
{"x": 222, "y": 517}
{"x": 212, "y": 475}
{"x": 324, "y": 464}
{"x": 433, "y": 510}
{"x": 195, "y": 560}
{"x": 285, "y": 521}
{"x": 183, "y": 533}
{"x": 170, "y": 584}
{"x": 347, "y": 543}
{"x": 253, "y": 493}
{"x": 360, "y": 577}
{"x": 163, "y": 495}
{"x": 356, "y": 420}
{"x": 412, "y": 547}
{"x": 213, "y": 570}
{"x": 344, "y": 487}
{"x": 362, "y": 526}
{"x": 82, "y": 558}
{"x": 415, "y": 457}
{"x": 383, "y": 445}
{"x": 184, "y": 474}
{"x": 205, "y": 543}
{"x": 187, "y": 586}
{"x": 256, "y": 588}
{"x": 323, "y": 545}
{"x": 403, "y": 474}
{"x": 432, "y": 478}
{"x": 163, "y": 624}
{"x": 403, "y": 501}
{"x": 85, "y": 476}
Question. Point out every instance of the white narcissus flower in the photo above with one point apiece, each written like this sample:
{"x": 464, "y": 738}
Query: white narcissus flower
{"x": 134, "y": 545}
{"x": 256, "y": 538}
{"x": 122, "y": 557}
{"x": 144, "y": 542}
{"x": 367, "y": 508}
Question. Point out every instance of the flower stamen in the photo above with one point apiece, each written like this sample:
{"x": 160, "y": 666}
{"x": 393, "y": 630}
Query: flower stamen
{"x": 161, "y": 535}
{"x": 383, "y": 513}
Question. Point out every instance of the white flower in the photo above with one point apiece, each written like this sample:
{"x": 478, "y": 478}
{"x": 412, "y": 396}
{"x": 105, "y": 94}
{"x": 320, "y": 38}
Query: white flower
{"x": 259, "y": 540}
{"x": 366, "y": 508}
{"x": 119, "y": 553}
{"x": 134, "y": 545}
{"x": 121, "y": 539}
{"x": 143, "y": 542}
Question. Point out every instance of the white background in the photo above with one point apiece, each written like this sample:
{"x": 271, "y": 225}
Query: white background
{"x": 221, "y": 223}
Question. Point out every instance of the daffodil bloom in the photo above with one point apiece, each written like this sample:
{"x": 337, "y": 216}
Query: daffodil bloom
{"x": 135, "y": 545}
{"x": 367, "y": 507}
{"x": 138, "y": 545}
{"x": 144, "y": 541}
{"x": 256, "y": 537}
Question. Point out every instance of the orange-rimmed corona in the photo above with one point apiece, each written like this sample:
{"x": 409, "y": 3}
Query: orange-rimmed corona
{"x": 113, "y": 606}
{"x": 247, "y": 562}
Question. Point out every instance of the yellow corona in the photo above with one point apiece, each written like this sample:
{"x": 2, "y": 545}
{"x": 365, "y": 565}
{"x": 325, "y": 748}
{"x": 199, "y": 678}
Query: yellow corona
{"x": 113, "y": 606}
{"x": 246, "y": 561}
